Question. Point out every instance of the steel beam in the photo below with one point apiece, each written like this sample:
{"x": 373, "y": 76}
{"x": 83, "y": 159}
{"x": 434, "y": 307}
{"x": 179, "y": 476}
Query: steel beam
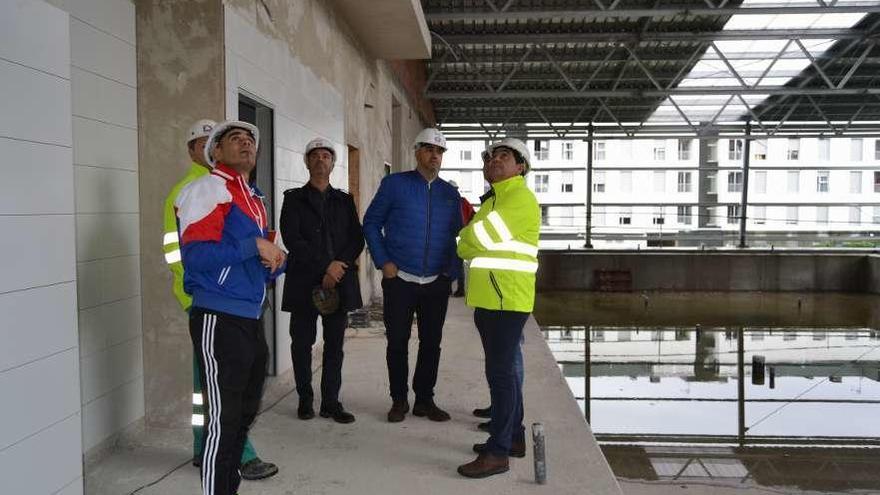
{"x": 488, "y": 38}
{"x": 653, "y": 93}
{"x": 662, "y": 11}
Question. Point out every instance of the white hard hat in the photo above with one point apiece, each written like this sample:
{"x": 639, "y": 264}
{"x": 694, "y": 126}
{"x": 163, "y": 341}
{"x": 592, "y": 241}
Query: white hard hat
{"x": 199, "y": 129}
{"x": 430, "y": 135}
{"x": 515, "y": 145}
{"x": 316, "y": 144}
{"x": 221, "y": 129}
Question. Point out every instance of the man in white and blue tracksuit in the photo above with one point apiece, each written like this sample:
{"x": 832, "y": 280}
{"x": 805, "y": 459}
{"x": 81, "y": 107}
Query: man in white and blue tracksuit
{"x": 410, "y": 228}
{"x": 228, "y": 259}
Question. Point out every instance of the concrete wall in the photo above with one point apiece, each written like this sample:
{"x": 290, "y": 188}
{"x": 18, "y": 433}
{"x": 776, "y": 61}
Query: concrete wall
{"x": 709, "y": 271}
{"x": 180, "y": 75}
{"x": 39, "y": 357}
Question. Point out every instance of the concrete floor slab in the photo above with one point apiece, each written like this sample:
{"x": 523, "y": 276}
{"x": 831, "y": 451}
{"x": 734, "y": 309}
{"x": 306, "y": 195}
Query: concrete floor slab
{"x": 374, "y": 456}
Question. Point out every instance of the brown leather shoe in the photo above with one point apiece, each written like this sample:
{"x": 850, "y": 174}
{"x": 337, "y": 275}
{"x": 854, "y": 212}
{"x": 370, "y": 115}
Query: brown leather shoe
{"x": 484, "y": 465}
{"x": 431, "y": 411}
{"x": 517, "y": 449}
{"x": 398, "y": 411}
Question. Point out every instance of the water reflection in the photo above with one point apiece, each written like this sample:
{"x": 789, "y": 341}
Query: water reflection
{"x": 762, "y": 405}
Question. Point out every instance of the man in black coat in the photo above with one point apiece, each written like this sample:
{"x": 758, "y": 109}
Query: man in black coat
{"x": 320, "y": 227}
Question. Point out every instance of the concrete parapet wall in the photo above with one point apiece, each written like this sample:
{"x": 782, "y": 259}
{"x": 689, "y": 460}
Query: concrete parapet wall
{"x": 770, "y": 271}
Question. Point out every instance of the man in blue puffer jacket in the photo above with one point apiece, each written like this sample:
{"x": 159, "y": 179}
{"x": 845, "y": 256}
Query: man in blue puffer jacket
{"x": 410, "y": 228}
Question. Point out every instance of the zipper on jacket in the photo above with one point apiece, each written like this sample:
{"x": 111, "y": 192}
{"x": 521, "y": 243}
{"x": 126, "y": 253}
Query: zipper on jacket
{"x": 497, "y": 290}
{"x": 427, "y": 234}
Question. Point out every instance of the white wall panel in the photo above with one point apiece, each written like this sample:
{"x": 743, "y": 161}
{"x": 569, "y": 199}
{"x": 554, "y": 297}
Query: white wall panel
{"x": 37, "y": 179}
{"x": 25, "y": 96}
{"x": 98, "y": 52}
{"x": 107, "y": 280}
{"x": 101, "y": 99}
{"x": 39, "y": 250}
{"x": 105, "y": 235}
{"x": 112, "y": 412}
{"x": 116, "y": 17}
{"x": 44, "y": 391}
{"x": 108, "y": 325}
{"x": 23, "y": 466}
{"x": 107, "y": 369}
{"x": 104, "y": 145}
{"x": 36, "y": 323}
{"x": 30, "y": 34}
{"x": 102, "y": 190}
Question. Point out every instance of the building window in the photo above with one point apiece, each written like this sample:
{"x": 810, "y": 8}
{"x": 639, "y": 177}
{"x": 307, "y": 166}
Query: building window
{"x": 684, "y": 182}
{"x": 824, "y": 149}
{"x": 791, "y": 215}
{"x": 875, "y": 217}
{"x": 659, "y": 181}
{"x": 876, "y": 181}
{"x": 544, "y": 216}
{"x": 598, "y": 182}
{"x": 566, "y": 215}
{"x": 855, "y": 182}
{"x": 794, "y": 179}
{"x": 761, "y": 182}
{"x": 684, "y": 149}
{"x": 759, "y": 213}
{"x": 855, "y": 215}
{"x": 735, "y": 150}
{"x": 599, "y": 150}
{"x": 822, "y": 181}
{"x": 598, "y": 215}
{"x": 626, "y": 182}
{"x": 712, "y": 182}
{"x": 466, "y": 182}
{"x": 712, "y": 149}
{"x": 734, "y": 182}
{"x": 625, "y": 215}
{"x": 822, "y": 215}
{"x": 877, "y": 149}
{"x": 733, "y": 213}
{"x": 659, "y": 151}
{"x": 542, "y": 183}
{"x": 760, "y": 149}
{"x": 684, "y": 215}
{"x": 542, "y": 150}
{"x": 567, "y": 182}
{"x": 658, "y": 216}
{"x": 568, "y": 150}
{"x": 465, "y": 155}
{"x": 794, "y": 149}
{"x": 856, "y": 149}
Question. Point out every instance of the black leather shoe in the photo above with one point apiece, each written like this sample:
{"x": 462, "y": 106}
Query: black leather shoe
{"x": 483, "y": 426}
{"x": 338, "y": 413}
{"x": 431, "y": 411}
{"x": 517, "y": 449}
{"x": 256, "y": 469}
{"x": 484, "y": 413}
{"x": 398, "y": 411}
{"x": 305, "y": 409}
{"x": 197, "y": 461}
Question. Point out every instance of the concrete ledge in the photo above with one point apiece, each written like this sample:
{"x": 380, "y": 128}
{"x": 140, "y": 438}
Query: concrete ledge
{"x": 416, "y": 456}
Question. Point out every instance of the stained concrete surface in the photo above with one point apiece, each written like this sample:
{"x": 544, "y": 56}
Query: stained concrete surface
{"x": 374, "y": 456}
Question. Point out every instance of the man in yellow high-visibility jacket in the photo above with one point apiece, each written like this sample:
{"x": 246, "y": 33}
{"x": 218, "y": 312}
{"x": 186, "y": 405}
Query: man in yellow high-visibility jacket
{"x": 501, "y": 247}
{"x": 252, "y": 467}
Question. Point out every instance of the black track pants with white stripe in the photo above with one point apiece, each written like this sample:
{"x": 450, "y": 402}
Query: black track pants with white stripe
{"x": 233, "y": 355}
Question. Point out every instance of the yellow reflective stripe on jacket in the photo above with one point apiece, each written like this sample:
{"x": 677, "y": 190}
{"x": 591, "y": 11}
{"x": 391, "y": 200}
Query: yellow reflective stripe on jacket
{"x": 505, "y": 264}
{"x": 512, "y": 246}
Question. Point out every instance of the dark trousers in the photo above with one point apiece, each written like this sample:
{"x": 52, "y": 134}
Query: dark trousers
{"x": 303, "y": 330}
{"x": 428, "y": 302}
{"x": 501, "y": 334}
{"x": 232, "y": 355}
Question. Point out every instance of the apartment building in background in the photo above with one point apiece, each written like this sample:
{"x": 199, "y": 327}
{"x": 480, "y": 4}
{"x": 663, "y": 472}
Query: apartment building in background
{"x": 688, "y": 192}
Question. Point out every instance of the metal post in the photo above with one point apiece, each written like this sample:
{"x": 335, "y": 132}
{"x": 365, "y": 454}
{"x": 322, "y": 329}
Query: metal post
{"x": 588, "y": 362}
{"x": 745, "y": 192}
{"x": 741, "y": 387}
{"x": 588, "y": 233}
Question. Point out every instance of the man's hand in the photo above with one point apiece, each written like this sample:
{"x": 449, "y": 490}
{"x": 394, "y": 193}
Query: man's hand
{"x": 389, "y": 270}
{"x": 328, "y": 282}
{"x": 336, "y": 270}
{"x": 271, "y": 255}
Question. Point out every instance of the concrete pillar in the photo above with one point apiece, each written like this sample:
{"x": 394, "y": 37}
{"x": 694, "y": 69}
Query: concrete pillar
{"x": 181, "y": 78}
